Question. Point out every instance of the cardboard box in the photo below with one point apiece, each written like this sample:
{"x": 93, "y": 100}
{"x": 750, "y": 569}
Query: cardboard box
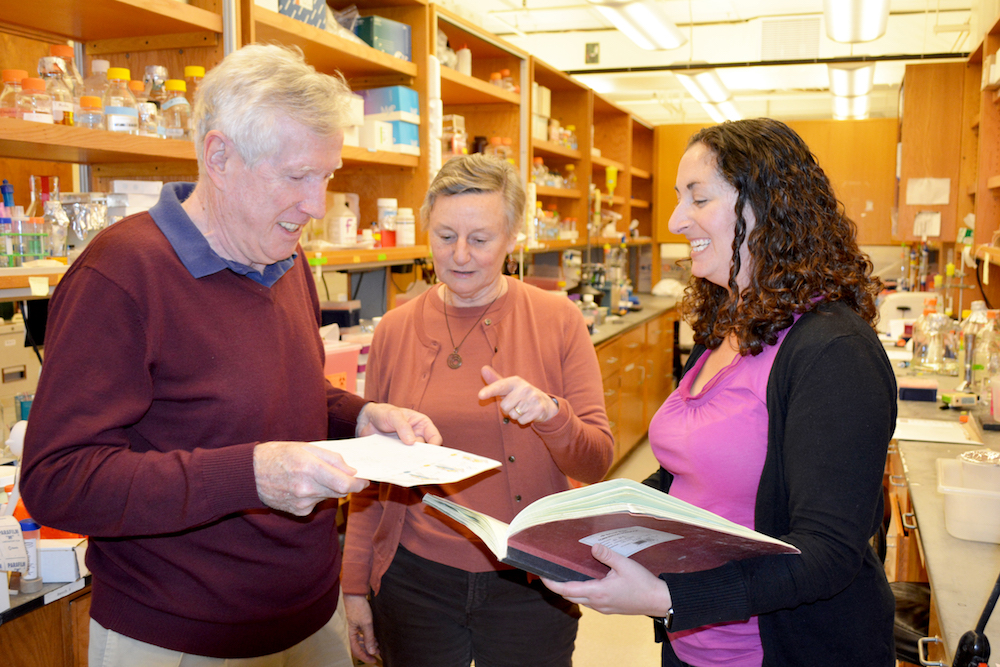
{"x": 62, "y": 560}
{"x": 356, "y": 110}
{"x": 312, "y": 12}
{"x": 539, "y": 127}
{"x": 376, "y": 135}
{"x": 385, "y": 35}
{"x": 383, "y": 102}
{"x": 352, "y": 135}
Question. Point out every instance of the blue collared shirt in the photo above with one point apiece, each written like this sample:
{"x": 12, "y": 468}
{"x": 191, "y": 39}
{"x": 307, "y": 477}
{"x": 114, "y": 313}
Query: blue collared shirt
{"x": 191, "y": 245}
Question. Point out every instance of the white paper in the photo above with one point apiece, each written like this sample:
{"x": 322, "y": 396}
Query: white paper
{"x": 928, "y": 191}
{"x": 934, "y": 430}
{"x": 381, "y": 458}
{"x": 13, "y": 554}
{"x": 627, "y": 541}
{"x": 39, "y": 285}
{"x": 927, "y": 224}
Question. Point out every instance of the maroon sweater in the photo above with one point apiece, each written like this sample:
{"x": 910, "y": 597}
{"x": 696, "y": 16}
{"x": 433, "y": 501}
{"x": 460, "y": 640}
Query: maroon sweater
{"x": 156, "y": 387}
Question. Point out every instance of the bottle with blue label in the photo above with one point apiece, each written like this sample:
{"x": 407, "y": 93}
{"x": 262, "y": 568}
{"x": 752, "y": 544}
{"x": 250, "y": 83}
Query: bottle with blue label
{"x": 120, "y": 111}
{"x": 176, "y": 111}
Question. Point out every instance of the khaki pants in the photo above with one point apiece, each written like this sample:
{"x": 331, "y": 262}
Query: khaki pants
{"x": 328, "y": 647}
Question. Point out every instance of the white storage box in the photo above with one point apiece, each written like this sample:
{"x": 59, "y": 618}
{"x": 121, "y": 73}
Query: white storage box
{"x": 62, "y": 560}
{"x": 969, "y": 514}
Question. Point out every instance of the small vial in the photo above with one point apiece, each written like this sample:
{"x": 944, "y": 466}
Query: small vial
{"x": 176, "y": 111}
{"x": 496, "y": 79}
{"x": 33, "y": 103}
{"x": 193, "y": 74}
{"x": 11, "y": 87}
{"x": 31, "y": 581}
{"x": 120, "y": 112}
{"x": 91, "y": 113}
{"x": 52, "y": 71}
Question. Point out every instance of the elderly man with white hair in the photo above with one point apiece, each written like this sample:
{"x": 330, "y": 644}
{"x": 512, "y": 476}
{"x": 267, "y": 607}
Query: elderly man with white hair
{"x": 183, "y": 380}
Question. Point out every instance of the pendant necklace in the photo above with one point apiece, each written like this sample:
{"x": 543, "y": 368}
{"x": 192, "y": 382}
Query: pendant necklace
{"x": 455, "y": 359}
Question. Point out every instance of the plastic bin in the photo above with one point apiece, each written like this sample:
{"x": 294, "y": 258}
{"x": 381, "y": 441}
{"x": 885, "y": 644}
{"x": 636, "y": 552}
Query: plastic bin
{"x": 341, "y": 367}
{"x": 969, "y": 514}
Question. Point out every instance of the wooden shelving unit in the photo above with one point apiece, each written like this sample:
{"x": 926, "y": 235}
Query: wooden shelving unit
{"x": 58, "y": 143}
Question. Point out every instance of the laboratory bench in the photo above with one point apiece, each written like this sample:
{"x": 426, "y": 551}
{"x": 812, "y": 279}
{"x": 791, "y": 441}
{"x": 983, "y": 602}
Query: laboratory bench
{"x": 961, "y": 573}
{"x": 49, "y": 628}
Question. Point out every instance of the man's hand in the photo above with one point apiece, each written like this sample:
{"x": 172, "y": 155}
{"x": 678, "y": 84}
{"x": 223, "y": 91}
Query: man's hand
{"x": 294, "y": 476}
{"x": 360, "y": 628}
{"x": 409, "y": 425}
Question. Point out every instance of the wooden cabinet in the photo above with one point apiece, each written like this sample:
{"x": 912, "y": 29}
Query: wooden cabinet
{"x": 866, "y": 187}
{"x": 903, "y": 561}
{"x": 54, "y": 635}
{"x": 930, "y": 131}
{"x": 637, "y": 372}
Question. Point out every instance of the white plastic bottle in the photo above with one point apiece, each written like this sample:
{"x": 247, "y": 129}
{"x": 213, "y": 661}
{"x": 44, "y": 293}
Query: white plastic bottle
{"x": 464, "y": 60}
{"x": 31, "y": 580}
{"x": 120, "y": 111}
{"x": 176, "y": 111}
{"x": 406, "y": 228}
{"x": 51, "y": 70}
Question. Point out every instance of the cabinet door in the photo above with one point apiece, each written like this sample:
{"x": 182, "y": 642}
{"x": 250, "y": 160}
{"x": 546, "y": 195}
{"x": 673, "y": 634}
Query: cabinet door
{"x": 79, "y": 620}
{"x": 632, "y": 418}
{"x": 612, "y": 404}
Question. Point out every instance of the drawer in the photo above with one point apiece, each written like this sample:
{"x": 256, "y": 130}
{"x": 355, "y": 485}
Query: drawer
{"x": 609, "y": 356}
{"x": 633, "y": 343}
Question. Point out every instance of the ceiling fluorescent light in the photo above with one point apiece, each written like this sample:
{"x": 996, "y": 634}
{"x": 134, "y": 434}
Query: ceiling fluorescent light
{"x": 714, "y": 112}
{"x": 644, "y": 22}
{"x": 729, "y": 110}
{"x": 850, "y": 108}
{"x": 704, "y": 85}
{"x": 852, "y": 21}
{"x": 851, "y": 80}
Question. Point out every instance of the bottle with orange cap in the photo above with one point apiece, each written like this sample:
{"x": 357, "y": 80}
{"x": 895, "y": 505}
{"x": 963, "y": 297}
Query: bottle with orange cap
{"x": 33, "y": 103}
{"x": 176, "y": 111}
{"x": 72, "y": 76}
{"x": 120, "y": 111}
{"x": 52, "y": 71}
{"x": 11, "y": 87}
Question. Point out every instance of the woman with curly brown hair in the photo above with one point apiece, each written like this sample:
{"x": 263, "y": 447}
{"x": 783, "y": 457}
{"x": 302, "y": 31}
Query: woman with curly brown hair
{"x": 780, "y": 423}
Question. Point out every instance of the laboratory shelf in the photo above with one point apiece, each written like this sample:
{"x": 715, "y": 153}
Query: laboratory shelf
{"x": 15, "y": 283}
{"x": 641, "y": 173}
{"x": 603, "y": 163}
{"x": 345, "y": 260}
{"x": 59, "y": 143}
{"x": 355, "y": 156}
{"x": 550, "y": 148}
{"x": 84, "y": 20}
{"x": 638, "y": 203}
{"x": 565, "y": 193}
{"x": 327, "y": 52}
{"x": 460, "y": 88}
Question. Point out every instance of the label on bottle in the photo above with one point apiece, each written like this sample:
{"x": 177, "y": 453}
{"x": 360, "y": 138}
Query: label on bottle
{"x": 62, "y": 112}
{"x": 35, "y": 117}
{"x": 8, "y": 112}
{"x": 173, "y": 132}
{"x": 121, "y": 119}
{"x": 31, "y": 545}
{"x": 174, "y": 101}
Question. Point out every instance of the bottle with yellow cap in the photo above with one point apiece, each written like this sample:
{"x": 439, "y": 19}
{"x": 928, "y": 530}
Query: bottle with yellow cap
{"x": 120, "y": 111}
{"x": 176, "y": 111}
{"x": 193, "y": 74}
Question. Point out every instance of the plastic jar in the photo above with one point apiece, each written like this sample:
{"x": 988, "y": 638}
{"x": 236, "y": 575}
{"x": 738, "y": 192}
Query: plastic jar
{"x": 388, "y": 209}
{"x": 120, "y": 111}
{"x": 11, "y": 87}
{"x": 91, "y": 113}
{"x": 193, "y": 74}
{"x": 31, "y": 580}
{"x": 72, "y": 76}
{"x": 33, "y": 103}
{"x": 51, "y": 70}
{"x": 154, "y": 81}
{"x": 406, "y": 228}
{"x": 175, "y": 111}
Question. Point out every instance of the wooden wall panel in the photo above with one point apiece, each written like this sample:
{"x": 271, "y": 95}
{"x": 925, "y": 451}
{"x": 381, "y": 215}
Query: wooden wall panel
{"x": 858, "y": 156}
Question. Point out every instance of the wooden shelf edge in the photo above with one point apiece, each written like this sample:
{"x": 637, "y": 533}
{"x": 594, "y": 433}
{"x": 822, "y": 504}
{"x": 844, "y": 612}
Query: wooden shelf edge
{"x": 355, "y": 155}
{"x": 564, "y": 193}
{"x": 58, "y": 143}
{"x": 373, "y": 255}
{"x": 87, "y": 20}
{"x": 993, "y": 182}
{"x": 640, "y": 173}
{"x": 638, "y": 203}
{"x": 458, "y": 88}
{"x": 989, "y": 254}
{"x": 601, "y": 161}
{"x": 553, "y": 148}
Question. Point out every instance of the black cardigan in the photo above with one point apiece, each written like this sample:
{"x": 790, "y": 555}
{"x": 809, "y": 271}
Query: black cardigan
{"x": 831, "y": 403}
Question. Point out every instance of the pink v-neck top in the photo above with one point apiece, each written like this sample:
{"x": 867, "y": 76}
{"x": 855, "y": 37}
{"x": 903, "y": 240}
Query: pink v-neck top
{"x": 714, "y": 444}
